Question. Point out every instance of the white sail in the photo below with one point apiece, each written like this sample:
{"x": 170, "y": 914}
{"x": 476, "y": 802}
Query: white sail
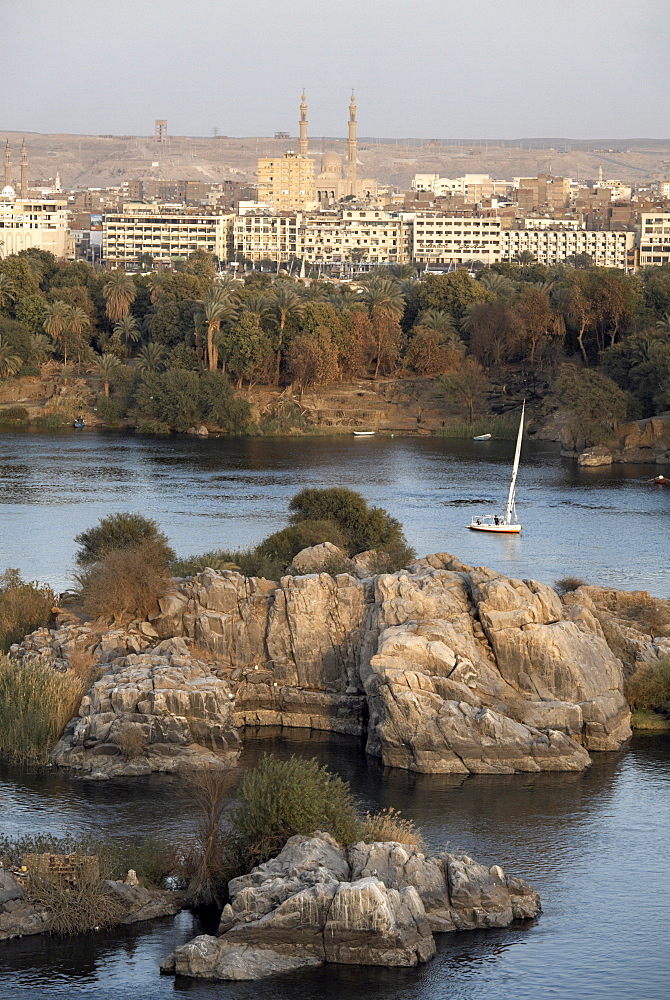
{"x": 512, "y": 486}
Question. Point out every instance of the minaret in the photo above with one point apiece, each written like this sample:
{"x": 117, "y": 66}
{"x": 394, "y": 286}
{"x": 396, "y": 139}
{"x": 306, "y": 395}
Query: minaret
{"x": 302, "y": 144}
{"x": 8, "y": 165}
{"x": 57, "y": 182}
{"x": 352, "y": 146}
{"x": 23, "y": 186}
{"x": 600, "y": 174}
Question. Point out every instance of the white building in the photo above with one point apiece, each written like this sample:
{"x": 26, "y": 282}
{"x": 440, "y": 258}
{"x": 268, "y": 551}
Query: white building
{"x": 655, "y": 239}
{"x": 33, "y": 222}
{"x": 443, "y": 239}
{"x": 551, "y": 246}
{"x": 166, "y": 232}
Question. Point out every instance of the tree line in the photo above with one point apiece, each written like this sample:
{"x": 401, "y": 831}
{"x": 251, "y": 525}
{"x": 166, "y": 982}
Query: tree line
{"x": 169, "y": 348}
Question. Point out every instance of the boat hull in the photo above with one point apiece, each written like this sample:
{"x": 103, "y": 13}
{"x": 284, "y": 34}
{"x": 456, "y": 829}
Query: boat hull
{"x": 483, "y": 437}
{"x": 499, "y": 529}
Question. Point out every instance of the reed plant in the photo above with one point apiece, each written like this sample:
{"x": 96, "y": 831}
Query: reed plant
{"x": 36, "y": 703}
{"x": 23, "y": 607}
{"x": 502, "y": 427}
{"x": 390, "y": 824}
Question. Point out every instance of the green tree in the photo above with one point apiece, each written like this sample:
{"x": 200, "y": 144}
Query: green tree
{"x": 10, "y": 362}
{"x": 592, "y": 402}
{"x": 22, "y": 276}
{"x": 119, "y": 291}
{"x": 285, "y": 305}
{"x": 452, "y": 293}
{"x": 7, "y": 293}
{"x": 120, "y": 531}
{"x": 105, "y": 366}
{"x": 32, "y": 311}
{"x": 150, "y": 358}
{"x": 127, "y": 330}
{"x": 56, "y": 324}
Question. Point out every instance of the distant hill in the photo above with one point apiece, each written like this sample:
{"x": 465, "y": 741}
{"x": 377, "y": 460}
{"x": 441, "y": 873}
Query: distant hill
{"x": 102, "y": 161}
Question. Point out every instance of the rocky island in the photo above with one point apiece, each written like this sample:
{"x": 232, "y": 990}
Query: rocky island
{"x": 441, "y": 667}
{"x": 369, "y": 904}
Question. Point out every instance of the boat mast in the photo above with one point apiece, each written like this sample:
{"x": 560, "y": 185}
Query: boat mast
{"x": 512, "y": 486}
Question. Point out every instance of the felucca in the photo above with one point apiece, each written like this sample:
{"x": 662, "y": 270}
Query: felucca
{"x": 507, "y": 523}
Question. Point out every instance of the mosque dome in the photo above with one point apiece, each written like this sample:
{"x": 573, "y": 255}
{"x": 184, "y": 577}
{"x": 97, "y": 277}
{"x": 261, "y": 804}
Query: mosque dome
{"x": 331, "y": 163}
{"x": 8, "y": 191}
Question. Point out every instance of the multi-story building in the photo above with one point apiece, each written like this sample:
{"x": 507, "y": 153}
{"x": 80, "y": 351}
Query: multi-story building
{"x": 473, "y": 188}
{"x": 33, "y": 222}
{"x": 349, "y": 235}
{"x": 166, "y": 232}
{"x": 287, "y": 183}
{"x": 655, "y": 238}
{"x": 543, "y": 191}
{"x": 552, "y": 246}
{"x": 441, "y": 239}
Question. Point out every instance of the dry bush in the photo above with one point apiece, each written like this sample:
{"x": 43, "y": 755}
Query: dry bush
{"x": 75, "y": 907}
{"x": 390, "y": 824}
{"x": 23, "y": 607}
{"x": 36, "y": 703}
{"x": 126, "y": 582}
{"x": 567, "y": 584}
{"x": 649, "y": 687}
{"x": 648, "y": 614}
{"x": 207, "y": 864}
{"x": 82, "y": 663}
{"x": 130, "y": 740}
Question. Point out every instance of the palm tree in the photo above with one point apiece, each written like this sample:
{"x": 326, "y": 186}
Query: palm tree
{"x": 401, "y": 271}
{"x": 499, "y": 284}
{"x": 213, "y": 313}
{"x": 437, "y": 320}
{"x": 77, "y": 322}
{"x": 286, "y": 305}
{"x": 150, "y": 357}
{"x": 105, "y": 366}
{"x": 259, "y": 306}
{"x": 382, "y": 295}
{"x": 664, "y": 324}
{"x": 127, "y": 330}
{"x": 156, "y": 283}
{"x": 56, "y": 323}
{"x": 525, "y": 258}
{"x": 10, "y": 363}
{"x": 7, "y": 293}
{"x": 40, "y": 348}
{"x": 119, "y": 291}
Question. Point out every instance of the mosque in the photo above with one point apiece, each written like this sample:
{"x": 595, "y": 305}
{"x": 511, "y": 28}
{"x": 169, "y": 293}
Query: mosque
{"x": 291, "y": 183}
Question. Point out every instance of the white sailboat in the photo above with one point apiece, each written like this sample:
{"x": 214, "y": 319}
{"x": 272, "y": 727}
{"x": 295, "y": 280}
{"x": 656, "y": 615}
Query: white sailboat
{"x": 507, "y": 523}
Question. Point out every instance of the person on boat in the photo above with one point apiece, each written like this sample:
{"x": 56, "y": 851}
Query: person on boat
{"x": 496, "y": 519}
{"x": 478, "y": 521}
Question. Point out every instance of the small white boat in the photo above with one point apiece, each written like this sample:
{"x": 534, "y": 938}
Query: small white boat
{"x": 482, "y": 437}
{"x": 507, "y": 523}
{"x": 363, "y": 434}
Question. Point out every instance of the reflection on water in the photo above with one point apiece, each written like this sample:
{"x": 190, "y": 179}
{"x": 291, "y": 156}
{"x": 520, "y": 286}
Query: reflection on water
{"x": 593, "y": 844}
{"x": 227, "y": 493}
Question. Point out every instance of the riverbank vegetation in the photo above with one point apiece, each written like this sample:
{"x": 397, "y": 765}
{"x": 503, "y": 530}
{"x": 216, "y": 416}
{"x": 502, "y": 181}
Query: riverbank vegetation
{"x": 169, "y": 351}
{"x": 648, "y": 693}
{"x": 337, "y": 515}
{"x": 36, "y": 703}
{"x": 275, "y": 800}
{"x": 23, "y": 607}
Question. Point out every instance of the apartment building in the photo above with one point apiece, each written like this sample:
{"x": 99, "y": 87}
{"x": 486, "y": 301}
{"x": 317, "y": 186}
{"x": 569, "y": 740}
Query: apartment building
{"x": 287, "y": 183}
{"x": 552, "y": 246}
{"x": 350, "y": 235}
{"x": 655, "y": 239}
{"x": 543, "y": 191}
{"x": 33, "y": 222}
{"x": 472, "y": 188}
{"x": 166, "y": 232}
{"x": 440, "y": 239}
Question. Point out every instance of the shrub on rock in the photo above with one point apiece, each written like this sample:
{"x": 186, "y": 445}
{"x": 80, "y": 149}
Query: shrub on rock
{"x": 121, "y": 531}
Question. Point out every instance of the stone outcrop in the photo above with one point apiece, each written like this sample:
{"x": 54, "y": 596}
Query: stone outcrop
{"x": 636, "y": 442}
{"x": 20, "y": 917}
{"x": 444, "y": 668}
{"x": 373, "y": 904}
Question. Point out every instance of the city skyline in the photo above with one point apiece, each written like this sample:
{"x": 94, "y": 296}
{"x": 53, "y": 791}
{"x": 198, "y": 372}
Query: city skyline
{"x": 499, "y": 70}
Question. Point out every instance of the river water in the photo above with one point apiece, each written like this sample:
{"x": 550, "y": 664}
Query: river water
{"x": 594, "y": 845}
{"x": 605, "y": 525}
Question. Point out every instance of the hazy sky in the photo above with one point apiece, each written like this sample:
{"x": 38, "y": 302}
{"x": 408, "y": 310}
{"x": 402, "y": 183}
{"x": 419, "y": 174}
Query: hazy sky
{"x": 443, "y": 69}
